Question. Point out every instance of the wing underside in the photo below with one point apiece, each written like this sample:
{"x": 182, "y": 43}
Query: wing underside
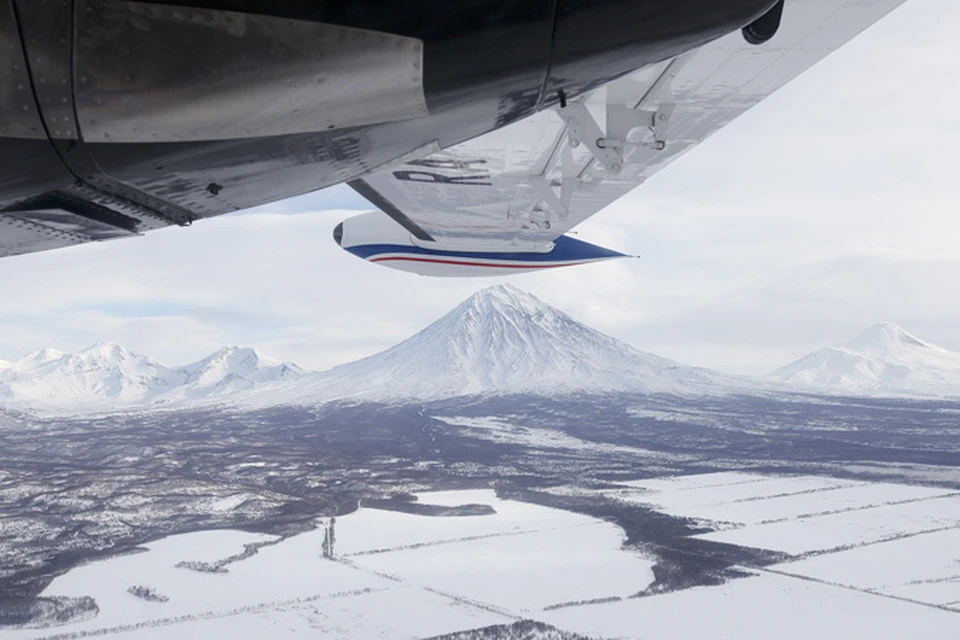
{"x": 528, "y": 183}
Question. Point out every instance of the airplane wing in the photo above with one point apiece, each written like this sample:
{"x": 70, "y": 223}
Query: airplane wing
{"x": 516, "y": 190}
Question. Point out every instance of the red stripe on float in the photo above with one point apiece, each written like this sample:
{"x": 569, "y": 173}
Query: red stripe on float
{"x": 532, "y": 265}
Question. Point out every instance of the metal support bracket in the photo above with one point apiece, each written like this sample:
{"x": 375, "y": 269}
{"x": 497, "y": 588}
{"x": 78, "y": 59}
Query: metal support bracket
{"x": 661, "y": 122}
{"x": 582, "y": 127}
{"x": 545, "y": 191}
{"x": 569, "y": 183}
{"x": 608, "y": 147}
{"x": 621, "y": 120}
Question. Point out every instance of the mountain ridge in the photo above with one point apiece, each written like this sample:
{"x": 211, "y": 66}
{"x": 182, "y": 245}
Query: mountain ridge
{"x": 108, "y": 376}
{"x": 500, "y": 340}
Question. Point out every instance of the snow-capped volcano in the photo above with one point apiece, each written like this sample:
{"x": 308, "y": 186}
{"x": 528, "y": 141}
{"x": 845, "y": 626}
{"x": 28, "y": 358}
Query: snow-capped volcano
{"x": 501, "y": 340}
{"x": 108, "y": 376}
{"x": 883, "y": 360}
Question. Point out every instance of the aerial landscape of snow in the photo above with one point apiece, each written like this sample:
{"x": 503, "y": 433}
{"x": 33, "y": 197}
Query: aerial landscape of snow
{"x": 801, "y": 515}
{"x": 507, "y": 472}
{"x": 459, "y": 572}
{"x": 718, "y": 436}
{"x": 889, "y": 580}
{"x": 500, "y": 340}
{"x": 397, "y": 574}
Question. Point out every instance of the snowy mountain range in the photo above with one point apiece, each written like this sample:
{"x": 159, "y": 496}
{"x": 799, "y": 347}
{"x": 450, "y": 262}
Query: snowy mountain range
{"x": 884, "y": 360}
{"x": 109, "y": 376}
{"x": 500, "y": 340}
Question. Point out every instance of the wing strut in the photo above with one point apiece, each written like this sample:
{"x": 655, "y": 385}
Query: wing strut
{"x": 364, "y": 189}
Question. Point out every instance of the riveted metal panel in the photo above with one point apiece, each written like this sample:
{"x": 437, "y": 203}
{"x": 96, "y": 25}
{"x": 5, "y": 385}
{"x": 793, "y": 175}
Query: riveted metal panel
{"x": 61, "y": 211}
{"x": 156, "y": 73}
{"x": 19, "y": 236}
{"x": 46, "y": 28}
{"x": 18, "y": 110}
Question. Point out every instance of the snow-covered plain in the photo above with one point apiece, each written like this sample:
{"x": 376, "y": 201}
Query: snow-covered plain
{"x": 925, "y": 568}
{"x": 835, "y": 531}
{"x": 798, "y": 514}
{"x": 743, "y": 500}
{"x": 692, "y": 499}
{"x": 759, "y": 608}
{"x": 394, "y": 575}
{"x": 881, "y": 562}
{"x": 503, "y": 431}
{"x": 523, "y": 560}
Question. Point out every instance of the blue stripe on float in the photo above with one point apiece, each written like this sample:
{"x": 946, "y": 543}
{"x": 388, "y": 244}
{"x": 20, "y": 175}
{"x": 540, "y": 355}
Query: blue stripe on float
{"x": 566, "y": 249}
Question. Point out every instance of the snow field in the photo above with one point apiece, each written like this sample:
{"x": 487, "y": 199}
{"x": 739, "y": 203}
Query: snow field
{"x": 695, "y": 498}
{"x": 370, "y": 530}
{"x": 944, "y": 594}
{"x": 760, "y": 608}
{"x": 442, "y": 574}
{"x": 698, "y": 481}
{"x": 797, "y": 514}
{"x": 521, "y": 559}
{"x": 499, "y": 430}
{"x": 523, "y": 573}
{"x": 903, "y": 583}
{"x": 848, "y": 528}
{"x": 395, "y": 612}
{"x": 398, "y": 575}
{"x": 811, "y": 503}
{"x": 925, "y": 568}
{"x": 264, "y": 577}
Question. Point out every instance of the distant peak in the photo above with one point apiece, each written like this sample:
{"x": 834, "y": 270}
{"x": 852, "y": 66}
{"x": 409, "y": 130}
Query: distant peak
{"x": 43, "y": 355}
{"x": 104, "y": 347}
{"x": 291, "y": 368}
{"x": 107, "y": 350}
{"x": 888, "y": 327}
{"x": 237, "y": 351}
{"x": 502, "y": 292}
{"x": 506, "y": 288}
{"x": 235, "y": 358}
{"x": 886, "y": 335}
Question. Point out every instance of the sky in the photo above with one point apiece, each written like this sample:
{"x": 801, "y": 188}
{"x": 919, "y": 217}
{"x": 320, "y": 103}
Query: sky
{"x": 831, "y": 206}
